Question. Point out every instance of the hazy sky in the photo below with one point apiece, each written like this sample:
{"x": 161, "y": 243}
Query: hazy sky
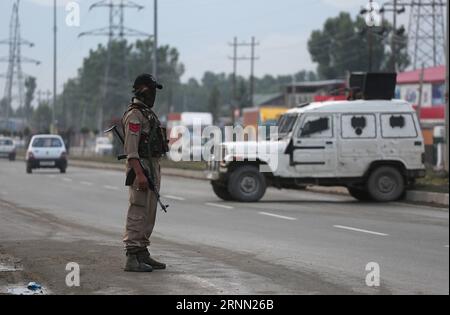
{"x": 200, "y": 29}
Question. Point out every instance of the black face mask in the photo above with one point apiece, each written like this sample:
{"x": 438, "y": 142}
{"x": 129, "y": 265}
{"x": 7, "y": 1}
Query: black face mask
{"x": 148, "y": 96}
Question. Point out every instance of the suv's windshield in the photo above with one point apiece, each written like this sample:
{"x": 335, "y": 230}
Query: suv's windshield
{"x": 47, "y": 143}
{"x": 6, "y": 142}
{"x": 286, "y": 123}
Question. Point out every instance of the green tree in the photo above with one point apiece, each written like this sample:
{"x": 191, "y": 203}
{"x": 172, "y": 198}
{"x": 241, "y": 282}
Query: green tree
{"x": 343, "y": 45}
{"x": 42, "y": 118}
{"x": 79, "y": 104}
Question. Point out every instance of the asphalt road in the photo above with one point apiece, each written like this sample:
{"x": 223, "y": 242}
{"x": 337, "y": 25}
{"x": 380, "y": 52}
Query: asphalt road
{"x": 293, "y": 242}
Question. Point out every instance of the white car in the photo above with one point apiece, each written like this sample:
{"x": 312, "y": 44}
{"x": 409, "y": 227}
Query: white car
{"x": 103, "y": 146}
{"x": 7, "y": 148}
{"x": 46, "y": 151}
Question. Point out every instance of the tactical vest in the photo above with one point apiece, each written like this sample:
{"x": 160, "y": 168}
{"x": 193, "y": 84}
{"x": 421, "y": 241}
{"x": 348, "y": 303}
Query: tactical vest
{"x": 154, "y": 144}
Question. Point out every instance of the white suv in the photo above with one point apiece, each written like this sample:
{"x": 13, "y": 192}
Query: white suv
{"x": 7, "y": 148}
{"x": 46, "y": 151}
{"x": 373, "y": 147}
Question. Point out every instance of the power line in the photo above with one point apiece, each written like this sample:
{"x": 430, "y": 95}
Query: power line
{"x": 427, "y": 32}
{"x": 115, "y": 30}
{"x": 15, "y": 60}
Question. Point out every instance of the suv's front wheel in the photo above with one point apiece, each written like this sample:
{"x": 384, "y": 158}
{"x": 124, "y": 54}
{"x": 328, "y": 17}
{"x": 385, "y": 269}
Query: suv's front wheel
{"x": 386, "y": 184}
{"x": 221, "y": 191}
{"x": 247, "y": 184}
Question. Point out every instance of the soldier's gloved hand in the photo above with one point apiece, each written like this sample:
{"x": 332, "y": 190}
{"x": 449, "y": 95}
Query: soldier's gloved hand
{"x": 142, "y": 182}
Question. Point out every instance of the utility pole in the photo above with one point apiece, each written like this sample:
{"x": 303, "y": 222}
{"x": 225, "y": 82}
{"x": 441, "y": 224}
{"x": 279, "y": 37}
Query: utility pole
{"x": 419, "y": 105}
{"x": 252, "y": 72}
{"x": 14, "y": 75}
{"x": 446, "y": 158}
{"x": 115, "y": 31}
{"x": 394, "y": 42}
{"x": 235, "y": 59}
{"x": 396, "y": 8}
{"x": 370, "y": 44}
{"x": 55, "y": 60}
{"x": 155, "y": 40}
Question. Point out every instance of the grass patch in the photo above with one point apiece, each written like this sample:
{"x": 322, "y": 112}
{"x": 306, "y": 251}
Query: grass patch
{"x": 433, "y": 182}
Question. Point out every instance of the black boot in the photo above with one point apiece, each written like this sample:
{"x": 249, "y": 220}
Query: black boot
{"x": 134, "y": 265}
{"x": 145, "y": 258}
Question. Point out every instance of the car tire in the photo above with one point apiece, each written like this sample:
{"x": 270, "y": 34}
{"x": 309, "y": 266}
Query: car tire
{"x": 62, "y": 170}
{"x": 12, "y": 157}
{"x": 386, "y": 184}
{"x": 221, "y": 191}
{"x": 247, "y": 184}
{"x": 359, "y": 194}
{"x": 29, "y": 170}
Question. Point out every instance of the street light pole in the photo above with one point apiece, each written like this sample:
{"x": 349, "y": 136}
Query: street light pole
{"x": 155, "y": 40}
{"x": 55, "y": 30}
{"x": 394, "y": 44}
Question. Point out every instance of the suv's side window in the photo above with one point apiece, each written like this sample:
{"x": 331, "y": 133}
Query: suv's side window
{"x": 398, "y": 126}
{"x": 316, "y": 127}
{"x": 358, "y": 126}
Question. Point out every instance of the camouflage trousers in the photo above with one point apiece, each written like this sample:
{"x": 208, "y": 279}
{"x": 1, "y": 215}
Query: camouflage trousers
{"x": 142, "y": 211}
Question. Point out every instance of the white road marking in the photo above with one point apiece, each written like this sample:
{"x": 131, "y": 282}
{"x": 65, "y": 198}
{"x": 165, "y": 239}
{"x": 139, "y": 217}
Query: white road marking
{"x": 446, "y": 246}
{"x": 69, "y": 180}
{"x": 359, "y": 230}
{"x": 51, "y": 176}
{"x": 87, "y": 183}
{"x": 278, "y": 216}
{"x": 174, "y": 198}
{"x": 111, "y": 187}
{"x": 218, "y": 205}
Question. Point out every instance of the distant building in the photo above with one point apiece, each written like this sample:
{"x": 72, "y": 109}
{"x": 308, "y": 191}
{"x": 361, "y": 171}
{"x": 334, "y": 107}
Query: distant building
{"x": 13, "y": 124}
{"x": 433, "y": 93}
{"x": 432, "y": 113}
{"x": 269, "y": 100}
{"x": 306, "y": 92}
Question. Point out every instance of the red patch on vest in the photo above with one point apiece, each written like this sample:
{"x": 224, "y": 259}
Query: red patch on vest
{"x": 134, "y": 127}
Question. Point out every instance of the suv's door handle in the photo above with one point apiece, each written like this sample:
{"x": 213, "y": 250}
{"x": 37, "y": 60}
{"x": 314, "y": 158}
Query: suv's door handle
{"x": 329, "y": 142}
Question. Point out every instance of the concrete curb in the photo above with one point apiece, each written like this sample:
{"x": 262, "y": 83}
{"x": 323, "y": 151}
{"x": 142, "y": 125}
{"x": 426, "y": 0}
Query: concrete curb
{"x": 439, "y": 199}
{"x": 430, "y": 198}
{"x": 121, "y": 167}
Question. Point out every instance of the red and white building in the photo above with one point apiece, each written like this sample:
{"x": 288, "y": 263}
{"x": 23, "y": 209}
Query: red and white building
{"x": 432, "y": 113}
{"x": 433, "y": 93}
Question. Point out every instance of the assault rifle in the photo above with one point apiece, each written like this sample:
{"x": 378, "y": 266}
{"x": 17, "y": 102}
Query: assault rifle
{"x": 131, "y": 176}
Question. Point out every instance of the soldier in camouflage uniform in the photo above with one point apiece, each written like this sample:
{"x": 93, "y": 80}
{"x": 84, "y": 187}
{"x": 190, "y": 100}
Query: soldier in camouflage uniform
{"x": 144, "y": 140}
